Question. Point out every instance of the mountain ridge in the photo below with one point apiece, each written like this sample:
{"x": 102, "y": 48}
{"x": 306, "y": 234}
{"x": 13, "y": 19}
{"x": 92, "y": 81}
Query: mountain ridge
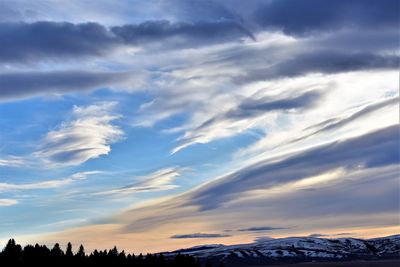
{"x": 297, "y": 249}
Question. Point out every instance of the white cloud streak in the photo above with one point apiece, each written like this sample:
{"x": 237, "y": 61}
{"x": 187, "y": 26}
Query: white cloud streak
{"x": 11, "y": 161}
{"x": 46, "y": 184}
{"x": 87, "y": 136}
{"x": 274, "y": 68}
{"x": 157, "y": 181}
{"x": 8, "y": 202}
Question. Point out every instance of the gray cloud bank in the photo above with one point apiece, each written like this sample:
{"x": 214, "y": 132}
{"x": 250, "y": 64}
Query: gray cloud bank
{"x": 379, "y": 148}
{"x": 25, "y": 84}
{"x": 308, "y": 16}
{"x": 343, "y": 46}
{"x": 198, "y": 235}
{"x": 260, "y": 229}
{"x": 21, "y": 41}
{"x": 368, "y": 187}
{"x": 24, "y": 42}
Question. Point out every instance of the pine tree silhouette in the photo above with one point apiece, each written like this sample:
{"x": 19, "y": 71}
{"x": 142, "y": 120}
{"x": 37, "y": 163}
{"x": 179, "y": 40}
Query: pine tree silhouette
{"x": 14, "y": 255}
{"x": 69, "y": 253}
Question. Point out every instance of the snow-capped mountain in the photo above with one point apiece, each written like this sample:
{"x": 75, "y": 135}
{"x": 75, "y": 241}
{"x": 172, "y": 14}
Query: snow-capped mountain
{"x": 297, "y": 249}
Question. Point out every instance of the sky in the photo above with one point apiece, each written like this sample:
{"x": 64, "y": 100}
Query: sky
{"x": 156, "y": 125}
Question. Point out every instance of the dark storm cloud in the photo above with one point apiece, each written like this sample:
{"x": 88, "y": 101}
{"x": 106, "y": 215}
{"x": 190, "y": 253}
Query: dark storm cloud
{"x": 304, "y": 16}
{"x": 261, "y": 229}
{"x": 21, "y": 42}
{"x": 379, "y": 148}
{"x": 25, "y": 84}
{"x": 198, "y": 235}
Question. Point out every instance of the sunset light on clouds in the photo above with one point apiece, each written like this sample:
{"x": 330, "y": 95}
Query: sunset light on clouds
{"x": 158, "y": 125}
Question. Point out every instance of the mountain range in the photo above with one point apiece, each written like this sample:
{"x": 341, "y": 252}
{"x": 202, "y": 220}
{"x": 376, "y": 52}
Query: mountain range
{"x": 297, "y": 249}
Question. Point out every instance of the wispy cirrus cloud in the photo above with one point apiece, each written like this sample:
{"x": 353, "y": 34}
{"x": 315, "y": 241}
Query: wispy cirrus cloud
{"x": 338, "y": 122}
{"x": 8, "y": 202}
{"x": 89, "y": 134}
{"x": 247, "y": 110}
{"x": 157, "y": 181}
{"x": 11, "y": 161}
{"x": 4, "y": 187}
{"x": 263, "y": 91}
{"x": 306, "y": 92}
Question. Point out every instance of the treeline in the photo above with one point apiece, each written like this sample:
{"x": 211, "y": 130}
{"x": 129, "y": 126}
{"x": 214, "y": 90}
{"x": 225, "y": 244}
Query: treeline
{"x": 40, "y": 255}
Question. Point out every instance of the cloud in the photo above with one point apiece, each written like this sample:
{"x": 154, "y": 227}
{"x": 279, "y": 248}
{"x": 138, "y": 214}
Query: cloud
{"x": 26, "y": 84}
{"x": 34, "y": 186}
{"x": 8, "y": 202}
{"x": 260, "y": 229}
{"x": 307, "y": 16}
{"x": 318, "y": 235}
{"x": 157, "y": 181}
{"x": 11, "y": 161}
{"x": 26, "y": 42}
{"x": 87, "y": 136}
{"x": 366, "y": 192}
{"x": 335, "y": 123}
{"x": 262, "y": 239}
{"x": 367, "y": 205}
{"x": 331, "y": 61}
{"x": 371, "y": 150}
{"x": 276, "y": 190}
{"x": 247, "y": 109}
{"x": 249, "y": 78}
{"x": 198, "y": 235}
{"x": 186, "y": 33}
{"x": 322, "y": 54}
{"x": 344, "y": 234}
{"x": 47, "y": 184}
{"x": 273, "y": 191}
{"x": 254, "y": 106}
{"x": 327, "y": 69}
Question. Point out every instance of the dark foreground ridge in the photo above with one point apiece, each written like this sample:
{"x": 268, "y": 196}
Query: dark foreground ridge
{"x": 40, "y": 255}
{"x": 304, "y": 251}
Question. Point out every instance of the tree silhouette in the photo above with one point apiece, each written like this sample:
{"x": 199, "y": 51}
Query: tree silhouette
{"x": 14, "y": 255}
{"x": 208, "y": 263}
{"x": 56, "y": 251}
{"x": 69, "y": 253}
{"x": 81, "y": 252}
